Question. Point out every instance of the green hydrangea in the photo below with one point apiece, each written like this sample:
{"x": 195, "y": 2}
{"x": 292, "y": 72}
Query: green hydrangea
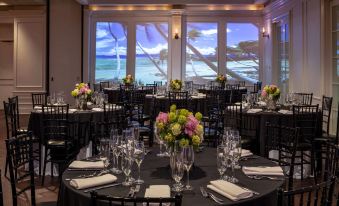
{"x": 184, "y": 112}
{"x": 172, "y": 117}
{"x": 184, "y": 142}
{"x": 195, "y": 140}
{"x": 198, "y": 116}
{"x": 173, "y": 108}
{"x": 176, "y": 129}
{"x": 182, "y": 119}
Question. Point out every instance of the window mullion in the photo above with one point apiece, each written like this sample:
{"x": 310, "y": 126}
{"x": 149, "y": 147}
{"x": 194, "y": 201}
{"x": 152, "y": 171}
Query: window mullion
{"x": 221, "y": 47}
{"x": 131, "y": 48}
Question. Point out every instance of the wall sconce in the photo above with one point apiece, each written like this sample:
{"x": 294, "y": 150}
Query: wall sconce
{"x": 176, "y": 34}
{"x": 264, "y": 34}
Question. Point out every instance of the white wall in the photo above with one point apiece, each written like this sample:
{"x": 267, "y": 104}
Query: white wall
{"x": 306, "y": 68}
{"x": 6, "y": 61}
{"x": 65, "y": 46}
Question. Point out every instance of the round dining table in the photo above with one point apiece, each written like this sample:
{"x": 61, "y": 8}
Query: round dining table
{"x": 156, "y": 171}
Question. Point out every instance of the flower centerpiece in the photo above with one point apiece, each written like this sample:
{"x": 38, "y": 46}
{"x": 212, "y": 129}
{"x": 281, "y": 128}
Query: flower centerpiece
{"x": 175, "y": 85}
{"x": 128, "y": 79}
{"x": 270, "y": 95}
{"x": 221, "y": 79}
{"x": 180, "y": 125}
{"x": 81, "y": 93}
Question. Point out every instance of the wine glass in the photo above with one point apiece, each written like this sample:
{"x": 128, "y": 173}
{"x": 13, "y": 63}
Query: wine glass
{"x": 139, "y": 155}
{"x": 105, "y": 152}
{"x": 114, "y": 143}
{"x": 161, "y": 141}
{"x": 177, "y": 168}
{"x": 220, "y": 161}
{"x": 234, "y": 154}
{"x": 188, "y": 159}
{"x": 126, "y": 165}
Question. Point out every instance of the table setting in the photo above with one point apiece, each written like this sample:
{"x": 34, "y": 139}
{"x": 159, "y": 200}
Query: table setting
{"x": 212, "y": 176}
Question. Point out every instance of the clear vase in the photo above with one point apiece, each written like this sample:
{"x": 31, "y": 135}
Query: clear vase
{"x": 271, "y": 104}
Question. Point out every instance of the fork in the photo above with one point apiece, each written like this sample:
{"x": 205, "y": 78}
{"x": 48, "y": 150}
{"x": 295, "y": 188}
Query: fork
{"x": 260, "y": 177}
{"x": 207, "y": 195}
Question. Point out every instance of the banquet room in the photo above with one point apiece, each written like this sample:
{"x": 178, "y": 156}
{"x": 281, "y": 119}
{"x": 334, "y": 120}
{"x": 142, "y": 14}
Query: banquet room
{"x": 169, "y": 102}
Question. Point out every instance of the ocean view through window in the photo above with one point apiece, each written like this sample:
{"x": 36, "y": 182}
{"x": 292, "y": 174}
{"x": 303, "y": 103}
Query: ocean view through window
{"x": 151, "y": 52}
{"x": 242, "y": 52}
{"x": 111, "y": 51}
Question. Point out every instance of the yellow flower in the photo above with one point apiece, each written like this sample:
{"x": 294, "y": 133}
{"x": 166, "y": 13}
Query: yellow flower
{"x": 173, "y": 108}
{"x": 198, "y": 116}
{"x": 75, "y": 93}
{"x": 184, "y": 112}
{"x": 176, "y": 129}
{"x": 160, "y": 125}
{"x": 199, "y": 130}
{"x": 184, "y": 142}
{"x": 195, "y": 140}
{"x": 169, "y": 138}
{"x": 182, "y": 119}
{"x": 172, "y": 117}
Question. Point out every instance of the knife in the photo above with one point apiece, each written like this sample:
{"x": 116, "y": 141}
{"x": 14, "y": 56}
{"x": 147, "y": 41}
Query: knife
{"x": 102, "y": 187}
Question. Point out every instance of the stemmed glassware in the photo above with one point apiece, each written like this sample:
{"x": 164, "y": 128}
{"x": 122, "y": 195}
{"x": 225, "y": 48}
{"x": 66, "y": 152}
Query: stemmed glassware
{"x": 177, "y": 168}
{"x": 161, "y": 141}
{"x": 220, "y": 161}
{"x": 188, "y": 159}
{"x": 114, "y": 144}
{"x": 139, "y": 155}
{"x": 126, "y": 165}
{"x": 105, "y": 152}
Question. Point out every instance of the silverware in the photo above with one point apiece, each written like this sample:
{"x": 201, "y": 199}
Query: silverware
{"x": 260, "y": 177}
{"x": 134, "y": 190}
{"x": 207, "y": 195}
{"x": 131, "y": 192}
{"x": 102, "y": 187}
{"x": 84, "y": 169}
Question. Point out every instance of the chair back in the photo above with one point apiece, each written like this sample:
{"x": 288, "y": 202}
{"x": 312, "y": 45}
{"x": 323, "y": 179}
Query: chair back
{"x": 241, "y": 83}
{"x": 20, "y": 154}
{"x": 150, "y": 88}
{"x": 284, "y": 140}
{"x": 55, "y": 123}
{"x": 114, "y": 117}
{"x": 110, "y": 200}
{"x": 319, "y": 194}
{"x": 331, "y": 161}
{"x": 233, "y": 116}
{"x": 39, "y": 99}
{"x": 103, "y": 85}
{"x": 10, "y": 119}
{"x": 15, "y": 111}
{"x": 305, "y": 98}
{"x": 188, "y": 85}
{"x": 180, "y": 99}
{"x": 213, "y": 128}
{"x": 250, "y": 132}
{"x": 306, "y": 118}
{"x": 232, "y": 86}
{"x": 326, "y": 108}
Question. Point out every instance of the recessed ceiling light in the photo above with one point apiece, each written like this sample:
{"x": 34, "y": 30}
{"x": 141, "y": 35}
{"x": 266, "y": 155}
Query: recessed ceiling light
{"x": 3, "y": 3}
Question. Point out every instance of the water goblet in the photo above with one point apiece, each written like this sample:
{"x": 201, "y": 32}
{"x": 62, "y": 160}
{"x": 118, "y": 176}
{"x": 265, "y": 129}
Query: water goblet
{"x": 220, "y": 161}
{"x": 139, "y": 154}
{"x": 177, "y": 169}
{"x": 126, "y": 166}
{"x": 188, "y": 159}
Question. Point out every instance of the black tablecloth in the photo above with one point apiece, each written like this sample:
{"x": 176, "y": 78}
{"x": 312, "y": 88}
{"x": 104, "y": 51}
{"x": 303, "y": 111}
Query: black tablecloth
{"x": 156, "y": 170}
{"x": 35, "y": 122}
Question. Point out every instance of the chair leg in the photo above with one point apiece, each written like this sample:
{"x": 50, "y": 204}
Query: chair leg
{"x": 6, "y": 167}
{"x": 52, "y": 172}
{"x": 44, "y": 170}
{"x": 302, "y": 165}
{"x": 40, "y": 160}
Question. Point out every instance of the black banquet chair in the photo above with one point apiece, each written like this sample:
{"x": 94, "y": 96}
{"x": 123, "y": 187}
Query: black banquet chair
{"x": 305, "y": 98}
{"x": 103, "y": 85}
{"x": 39, "y": 99}
{"x": 20, "y": 154}
{"x": 110, "y": 200}
{"x": 60, "y": 148}
{"x": 180, "y": 99}
{"x": 319, "y": 194}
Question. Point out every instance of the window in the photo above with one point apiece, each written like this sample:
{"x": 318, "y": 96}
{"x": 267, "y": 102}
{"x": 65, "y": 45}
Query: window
{"x": 151, "y": 52}
{"x": 111, "y": 51}
{"x": 282, "y": 30}
{"x": 242, "y": 52}
{"x": 201, "y": 52}
{"x": 335, "y": 58}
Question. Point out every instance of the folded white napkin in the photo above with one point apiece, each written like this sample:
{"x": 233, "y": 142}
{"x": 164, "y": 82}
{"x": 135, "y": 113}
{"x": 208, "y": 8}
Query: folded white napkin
{"x": 149, "y": 95}
{"x": 245, "y": 153}
{"x": 155, "y": 191}
{"x": 84, "y": 183}
{"x": 275, "y": 170}
{"x": 201, "y": 95}
{"x": 283, "y": 111}
{"x": 72, "y": 110}
{"x": 229, "y": 190}
{"x": 252, "y": 111}
{"x": 86, "y": 165}
{"x": 97, "y": 109}
{"x": 160, "y": 96}
{"x": 261, "y": 103}
{"x": 38, "y": 107}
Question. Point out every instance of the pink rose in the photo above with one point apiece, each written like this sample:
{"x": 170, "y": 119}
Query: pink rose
{"x": 264, "y": 93}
